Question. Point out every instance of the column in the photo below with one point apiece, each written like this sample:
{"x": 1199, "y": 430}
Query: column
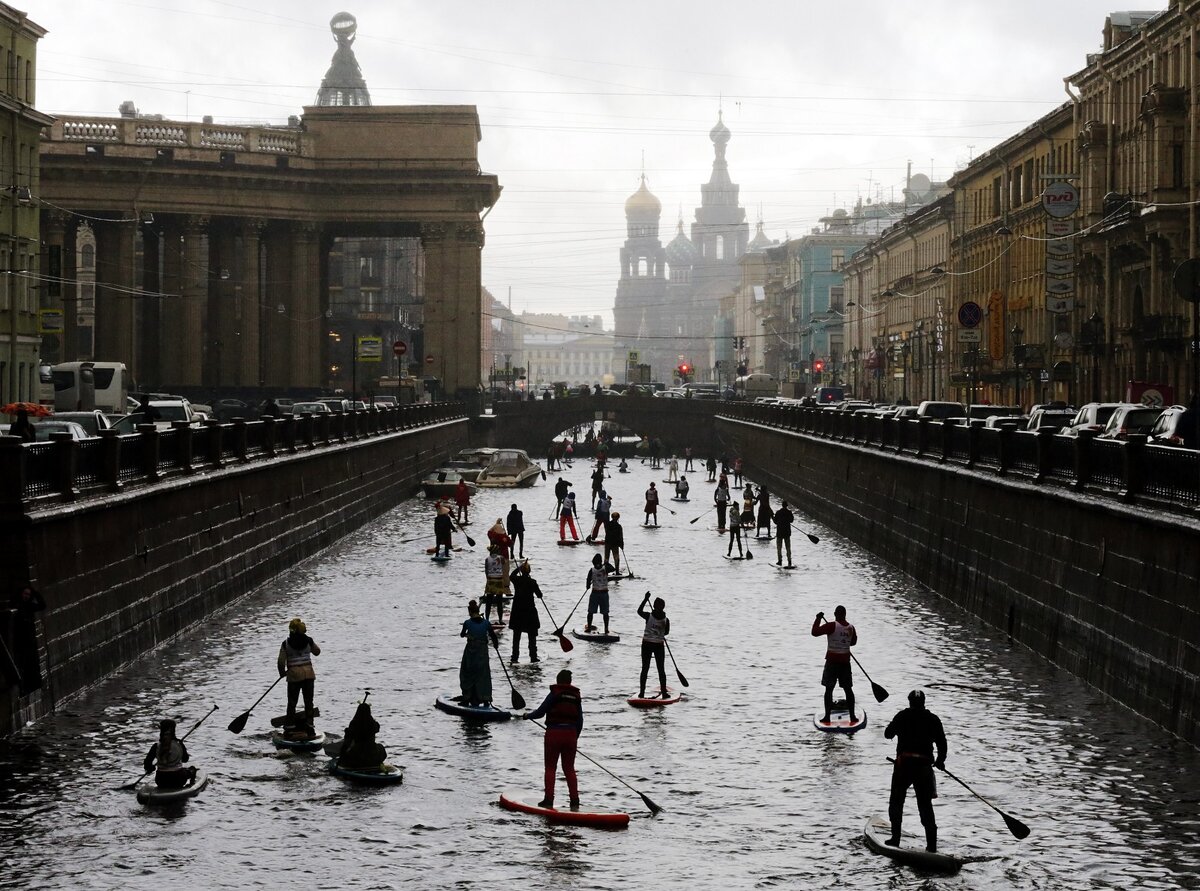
{"x": 224, "y": 351}
{"x": 53, "y": 261}
{"x": 249, "y": 371}
{"x": 171, "y": 318}
{"x": 193, "y": 303}
{"x": 306, "y": 319}
{"x": 114, "y": 292}
{"x": 274, "y": 329}
{"x": 453, "y": 336}
{"x": 149, "y": 346}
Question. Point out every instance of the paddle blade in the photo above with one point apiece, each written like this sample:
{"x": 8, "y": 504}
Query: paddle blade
{"x": 654, "y": 808}
{"x": 1015, "y": 826}
{"x": 693, "y": 522}
{"x": 238, "y": 724}
{"x": 518, "y": 701}
{"x": 813, "y": 538}
{"x": 566, "y": 645}
{"x": 880, "y": 693}
{"x": 470, "y": 540}
{"x": 749, "y": 556}
{"x": 682, "y": 679}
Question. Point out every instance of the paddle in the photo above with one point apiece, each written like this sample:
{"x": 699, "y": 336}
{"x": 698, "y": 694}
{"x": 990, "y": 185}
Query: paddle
{"x": 654, "y": 808}
{"x": 1015, "y": 826}
{"x": 628, "y": 568}
{"x": 181, "y": 739}
{"x": 238, "y": 724}
{"x": 572, "y": 612}
{"x": 682, "y": 679}
{"x": 709, "y": 511}
{"x": 880, "y": 693}
{"x": 566, "y": 645}
{"x": 470, "y": 541}
{"x": 518, "y": 701}
{"x": 812, "y": 537}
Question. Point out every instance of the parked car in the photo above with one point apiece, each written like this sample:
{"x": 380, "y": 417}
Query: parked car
{"x": 1131, "y": 419}
{"x": 335, "y": 403}
{"x": 1049, "y": 419}
{"x": 902, "y": 412}
{"x": 941, "y": 410}
{"x": 92, "y": 421}
{"x": 1171, "y": 427}
{"x": 45, "y": 426}
{"x": 995, "y": 422}
{"x": 310, "y": 408}
{"x": 286, "y": 403}
{"x": 1093, "y": 416}
{"x": 228, "y": 409}
{"x": 383, "y": 401}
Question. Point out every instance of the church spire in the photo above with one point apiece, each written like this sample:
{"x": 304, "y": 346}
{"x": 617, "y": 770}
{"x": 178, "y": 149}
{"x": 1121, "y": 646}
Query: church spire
{"x": 343, "y": 83}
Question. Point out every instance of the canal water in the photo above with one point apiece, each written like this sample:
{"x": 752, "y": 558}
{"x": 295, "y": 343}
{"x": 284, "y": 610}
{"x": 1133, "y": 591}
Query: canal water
{"x": 753, "y": 795}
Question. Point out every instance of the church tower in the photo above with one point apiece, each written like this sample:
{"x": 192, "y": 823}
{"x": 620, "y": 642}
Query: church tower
{"x": 343, "y": 83}
{"x": 641, "y": 292}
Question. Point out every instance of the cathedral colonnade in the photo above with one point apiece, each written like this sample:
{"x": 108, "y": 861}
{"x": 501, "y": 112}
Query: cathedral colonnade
{"x": 197, "y": 254}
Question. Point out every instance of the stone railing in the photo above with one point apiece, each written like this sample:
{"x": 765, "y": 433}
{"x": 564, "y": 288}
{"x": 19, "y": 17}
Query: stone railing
{"x": 1128, "y": 469}
{"x": 67, "y": 469}
{"x": 178, "y": 134}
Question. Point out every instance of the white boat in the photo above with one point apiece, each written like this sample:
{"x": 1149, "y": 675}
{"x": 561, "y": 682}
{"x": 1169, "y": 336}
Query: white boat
{"x": 443, "y": 482}
{"x": 471, "y": 462}
{"x": 510, "y": 468}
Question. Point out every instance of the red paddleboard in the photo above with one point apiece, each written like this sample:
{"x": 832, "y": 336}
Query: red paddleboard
{"x": 434, "y": 550}
{"x": 513, "y": 801}
{"x": 655, "y": 701}
{"x": 568, "y": 542}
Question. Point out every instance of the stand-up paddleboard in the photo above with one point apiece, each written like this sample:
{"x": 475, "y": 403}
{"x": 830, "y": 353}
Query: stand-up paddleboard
{"x": 498, "y": 626}
{"x": 151, "y": 793}
{"x": 727, "y": 557}
{"x": 839, "y": 721}
{"x": 441, "y": 558}
{"x": 452, "y": 705}
{"x": 596, "y": 636}
{"x": 298, "y": 745}
{"x": 284, "y": 720}
{"x": 677, "y": 498}
{"x": 911, "y": 850}
{"x": 433, "y": 550}
{"x": 649, "y": 526}
{"x": 385, "y": 775}
{"x": 655, "y": 701}
{"x": 568, "y": 542}
{"x": 598, "y": 542}
{"x": 514, "y": 801}
{"x": 764, "y": 537}
{"x": 789, "y": 566}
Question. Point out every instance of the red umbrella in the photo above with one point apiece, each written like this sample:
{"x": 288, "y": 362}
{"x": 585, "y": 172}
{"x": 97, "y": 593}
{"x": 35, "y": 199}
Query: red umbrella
{"x": 31, "y": 408}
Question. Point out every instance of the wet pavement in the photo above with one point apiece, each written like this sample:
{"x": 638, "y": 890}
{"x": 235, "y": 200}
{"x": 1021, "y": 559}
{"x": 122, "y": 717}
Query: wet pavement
{"x": 753, "y": 795}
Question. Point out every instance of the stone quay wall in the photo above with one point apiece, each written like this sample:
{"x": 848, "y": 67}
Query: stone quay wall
{"x": 1106, "y": 587}
{"x": 125, "y": 567}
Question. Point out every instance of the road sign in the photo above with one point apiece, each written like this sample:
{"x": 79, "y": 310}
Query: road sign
{"x": 1060, "y": 248}
{"x": 1060, "y": 199}
{"x": 50, "y": 321}
{"x": 970, "y": 314}
{"x": 1061, "y": 286}
{"x": 1059, "y": 228}
{"x": 970, "y": 335}
{"x": 1186, "y": 280}
{"x": 1059, "y": 265}
{"x": 1059, "y": 305}
{"x": 370, "y": 349}
{"x": 399, "y": 348}
{"x": 633, "y": 357}
{"x": 429, "y": 359}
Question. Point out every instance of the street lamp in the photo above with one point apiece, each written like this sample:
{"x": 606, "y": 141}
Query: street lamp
{"x": 1092, "y": 336}
{"x": 1018, "y": 356}
{"x": 904, "y": 351}
{"x": 855, "y": 352}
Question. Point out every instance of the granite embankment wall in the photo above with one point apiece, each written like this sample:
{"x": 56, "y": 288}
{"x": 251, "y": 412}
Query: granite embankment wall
{"x": 1107, "y": 590}
{"x": 125, "y": 571}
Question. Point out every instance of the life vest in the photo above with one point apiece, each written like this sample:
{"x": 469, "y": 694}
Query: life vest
{"x": 655, "y": 629}
{"x": 297, "y": 656}
{"x": 493, "y": 567}
{"x": 170, "y": 756}
{"x": 598, "y": 579}
{"x": 567, "y": 711}
{"x": 839, "y": 642}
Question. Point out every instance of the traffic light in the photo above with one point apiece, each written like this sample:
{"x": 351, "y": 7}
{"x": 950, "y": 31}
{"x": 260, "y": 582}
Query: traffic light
{"x": 684, "y": 370}
{"x": 818, "y": 366}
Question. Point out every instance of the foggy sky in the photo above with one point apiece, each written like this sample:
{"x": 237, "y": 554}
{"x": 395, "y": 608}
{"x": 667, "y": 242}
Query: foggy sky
{"x": 827, "y": 102}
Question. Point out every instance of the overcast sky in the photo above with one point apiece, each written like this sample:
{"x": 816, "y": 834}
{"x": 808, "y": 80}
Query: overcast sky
{"x": 827, "y": 101}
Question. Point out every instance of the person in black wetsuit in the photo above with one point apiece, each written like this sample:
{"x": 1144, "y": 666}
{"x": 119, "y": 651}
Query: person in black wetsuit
{"x": 916, "y": 730}
{"x": 359, "y": 749}
{"x": 614, "y": 541}
{"x": 515, "y": 524}
{"x": 523, "y": 616}
{"x": 443, "y": 530}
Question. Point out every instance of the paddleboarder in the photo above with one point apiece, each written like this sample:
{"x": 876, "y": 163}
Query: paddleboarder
{"x": 566, "y": 517}
{"x": 462, "y": 498}
{"x": 523, "y": 617}
{"x": 495, "y": 583}
{"x": 916, "y": 730}
{"x": 842, "y": 637}
{"x": 658, "y": 626}
{"x": 295, "y": 662}
{"x": 783, "y": 533}
{"x": 673, "y": 469}
{"x": 721, "y": 499}
{"x": 443, "y": 530}
{"x": 737, "y": 472}
{"x": 597, "y": 482}
{"x": 682, "y": 488}
{"x": 603, "y": 506}
{"x": 623, "y": 467}
{"x": 563, "y": 711}
{"x": 687, "y": 459}
{"x": 735, "y": 534}
{"x": 597, "y": 583}
{"x": 498, "y": 536}
{"x": 515, "y": 524}
{"x": 167, "y": 757}
{"x": 359, "y": 749}
{"x": 711, "y": 466}
{"x": 651, "y": 505}
{"x": 475, "y": 671}
{"x": 764, "y": 512}
{"x": 614, "y": 541}
{"x": 560, "y": 493}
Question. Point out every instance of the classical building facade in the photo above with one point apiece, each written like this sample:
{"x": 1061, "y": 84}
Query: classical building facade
{"x": 217, "y": 240}
{"x": 20, "y": 126}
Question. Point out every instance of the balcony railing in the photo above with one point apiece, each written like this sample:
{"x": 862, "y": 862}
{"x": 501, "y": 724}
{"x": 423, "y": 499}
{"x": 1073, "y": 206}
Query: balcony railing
{"x": 67, "y": 469}
{"x": 1131, "y": 469}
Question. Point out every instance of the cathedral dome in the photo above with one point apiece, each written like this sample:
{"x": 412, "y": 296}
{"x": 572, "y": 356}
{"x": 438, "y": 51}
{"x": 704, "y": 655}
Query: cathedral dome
{"x": 760, "y": 242}
{"x": 681, "y": 251}
{"x": 720, "y": 133}
{"x": 643, "y": 203}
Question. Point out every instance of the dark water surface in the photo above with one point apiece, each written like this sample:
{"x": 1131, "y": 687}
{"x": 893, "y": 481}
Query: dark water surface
{"x": 754, "y": 796}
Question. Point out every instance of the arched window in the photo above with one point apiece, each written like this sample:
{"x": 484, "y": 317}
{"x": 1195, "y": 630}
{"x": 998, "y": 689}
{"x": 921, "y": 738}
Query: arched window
{"x": 87, "y": 256}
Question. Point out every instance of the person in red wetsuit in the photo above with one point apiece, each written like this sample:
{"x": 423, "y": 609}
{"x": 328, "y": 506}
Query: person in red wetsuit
{"x": 842, "y": 637}
{"x": 563, "y": 711}
{"x": 462, "y": 498}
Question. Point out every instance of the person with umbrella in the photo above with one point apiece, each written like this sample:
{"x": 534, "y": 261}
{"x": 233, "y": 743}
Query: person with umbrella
{"x": 22, "y": 427}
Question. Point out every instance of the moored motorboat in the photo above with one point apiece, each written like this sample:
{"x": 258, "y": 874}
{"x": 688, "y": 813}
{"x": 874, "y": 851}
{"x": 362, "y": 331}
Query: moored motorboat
{"x": 471, "y": 462}
{"x": 510, "y": 468}
{"x": 443, "y": 483}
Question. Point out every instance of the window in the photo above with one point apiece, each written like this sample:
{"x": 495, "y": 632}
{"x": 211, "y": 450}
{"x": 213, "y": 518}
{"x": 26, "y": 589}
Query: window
{"x": 720, "y": 248}
{"x": 996, "y": 196}
{"x": 837, "y": 259}
{"x": 88, "y": 256}
{"x": 1176, "y": 166}
{"x": 835, "y": 298}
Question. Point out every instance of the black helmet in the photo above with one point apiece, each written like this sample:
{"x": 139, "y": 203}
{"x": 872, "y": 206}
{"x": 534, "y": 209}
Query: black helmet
{"x": 916, "y": 699}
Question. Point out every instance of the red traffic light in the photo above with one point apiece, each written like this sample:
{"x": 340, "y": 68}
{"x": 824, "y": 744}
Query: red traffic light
{"x": 819, "y": 366}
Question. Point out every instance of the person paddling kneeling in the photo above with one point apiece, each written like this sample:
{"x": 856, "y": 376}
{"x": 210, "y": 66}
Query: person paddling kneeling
{"x": 170, "y": 753}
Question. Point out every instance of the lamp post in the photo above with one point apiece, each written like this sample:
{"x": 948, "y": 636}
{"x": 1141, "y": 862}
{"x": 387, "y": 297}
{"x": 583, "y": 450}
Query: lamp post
{"x": 1018, "y": 356}
{"x": 812, "y": 377}
{"x": 855, "y": 352}
{"x": 1092, "y": 335}
{"x": 904, "y": 351}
